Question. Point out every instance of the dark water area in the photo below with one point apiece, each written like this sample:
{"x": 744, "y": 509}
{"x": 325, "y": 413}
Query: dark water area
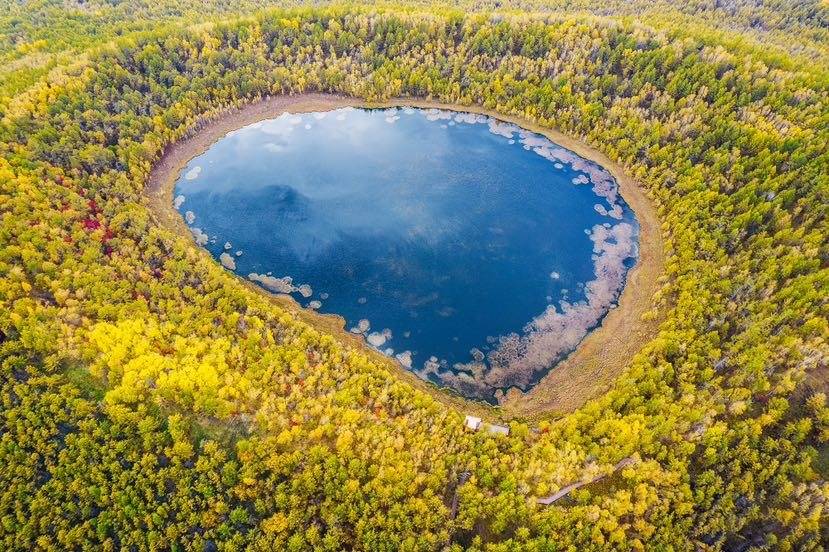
{"x": 476, "y": 253}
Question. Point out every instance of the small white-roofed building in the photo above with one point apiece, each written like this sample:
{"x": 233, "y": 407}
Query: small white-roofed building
{"x": 473, "y": 423}
{"x": 476, "y": 424}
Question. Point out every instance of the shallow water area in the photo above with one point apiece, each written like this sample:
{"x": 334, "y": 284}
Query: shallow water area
{"x": 475, "y": 253}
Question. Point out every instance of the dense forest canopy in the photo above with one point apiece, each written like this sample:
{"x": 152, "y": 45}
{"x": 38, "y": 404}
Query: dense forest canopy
{"x": 150, "y": 401}
{"x": 32, "y": 33}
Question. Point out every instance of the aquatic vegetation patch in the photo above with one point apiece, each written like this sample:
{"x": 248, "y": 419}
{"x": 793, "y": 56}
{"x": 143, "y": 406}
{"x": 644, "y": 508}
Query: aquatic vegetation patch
{"x": 518, "y": 359}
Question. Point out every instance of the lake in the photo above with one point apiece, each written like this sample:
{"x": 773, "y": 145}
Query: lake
{"x": 475, "y": 253}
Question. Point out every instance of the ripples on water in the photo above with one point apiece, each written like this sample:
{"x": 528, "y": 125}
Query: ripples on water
{"x": 476, "y": 253}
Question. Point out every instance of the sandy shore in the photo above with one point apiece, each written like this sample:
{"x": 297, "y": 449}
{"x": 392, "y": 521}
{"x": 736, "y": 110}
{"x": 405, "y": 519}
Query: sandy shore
{"x": 585, "y": 374}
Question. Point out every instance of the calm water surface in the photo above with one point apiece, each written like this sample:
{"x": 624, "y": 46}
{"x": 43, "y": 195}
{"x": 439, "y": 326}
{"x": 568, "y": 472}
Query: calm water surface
{"x": 476, "y": 253}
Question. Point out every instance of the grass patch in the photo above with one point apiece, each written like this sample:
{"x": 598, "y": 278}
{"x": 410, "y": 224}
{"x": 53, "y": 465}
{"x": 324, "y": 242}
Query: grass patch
{"x": 821, "y": 461}
{"x": 90, "y": 387}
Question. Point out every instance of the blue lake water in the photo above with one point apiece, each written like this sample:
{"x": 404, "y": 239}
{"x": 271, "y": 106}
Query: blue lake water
{"x": 475, "y": 253}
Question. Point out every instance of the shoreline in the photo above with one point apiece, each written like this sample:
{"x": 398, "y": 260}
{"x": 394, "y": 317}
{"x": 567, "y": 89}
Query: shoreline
{"x": 585, "y": 373}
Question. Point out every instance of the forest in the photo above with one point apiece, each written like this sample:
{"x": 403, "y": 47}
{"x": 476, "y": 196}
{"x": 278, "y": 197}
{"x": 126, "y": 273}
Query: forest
{"x": 148, "y": 401}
